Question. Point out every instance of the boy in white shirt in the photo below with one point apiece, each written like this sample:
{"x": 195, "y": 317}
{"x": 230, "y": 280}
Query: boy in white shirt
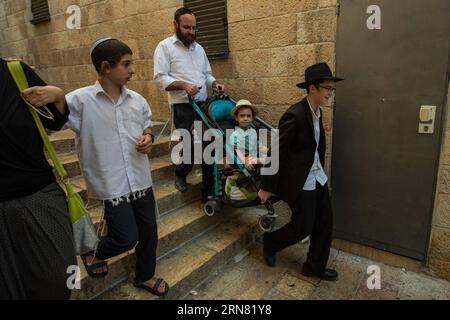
{"x": 114, "y": 137}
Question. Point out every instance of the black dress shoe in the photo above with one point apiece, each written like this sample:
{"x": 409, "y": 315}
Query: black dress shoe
{"x": 180, "y": 183}
{"x": 327, "y": 275}
{"x": 205, "y": 197}
{"x": 271, "y": 259}
{"x": 269, "y": 256}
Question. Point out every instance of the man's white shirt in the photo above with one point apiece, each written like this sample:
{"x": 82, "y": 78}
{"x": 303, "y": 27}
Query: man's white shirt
{"x": 174, "y": 62}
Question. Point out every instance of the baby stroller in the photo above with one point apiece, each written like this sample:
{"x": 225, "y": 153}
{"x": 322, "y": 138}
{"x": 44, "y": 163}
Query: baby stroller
{"x": 215, "y": 113}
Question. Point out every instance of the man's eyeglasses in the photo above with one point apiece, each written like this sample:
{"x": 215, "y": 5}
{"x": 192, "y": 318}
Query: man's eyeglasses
{"x": 193, "y": 28}
{"x": 43, "y": 111}
{"x": 329, "y": 88}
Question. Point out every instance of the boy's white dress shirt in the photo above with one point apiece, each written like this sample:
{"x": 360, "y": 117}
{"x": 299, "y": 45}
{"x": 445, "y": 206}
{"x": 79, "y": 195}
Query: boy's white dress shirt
{"x": 107, "y": 136}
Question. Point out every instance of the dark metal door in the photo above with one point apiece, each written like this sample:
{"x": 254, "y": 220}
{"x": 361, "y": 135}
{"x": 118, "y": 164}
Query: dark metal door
{"x": 383, "y": 171}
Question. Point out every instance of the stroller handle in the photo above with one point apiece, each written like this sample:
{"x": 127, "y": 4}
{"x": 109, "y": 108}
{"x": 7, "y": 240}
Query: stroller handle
{"x": 217, "y": 89}
{"x": 192, "y": 97}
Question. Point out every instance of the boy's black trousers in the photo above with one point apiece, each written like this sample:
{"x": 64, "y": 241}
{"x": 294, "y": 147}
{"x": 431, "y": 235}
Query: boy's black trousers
{"x": 130, "y": 223}
{"x": 311, "y": 215}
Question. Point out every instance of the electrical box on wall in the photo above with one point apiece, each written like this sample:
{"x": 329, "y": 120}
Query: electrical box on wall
{"x": 427, "y": 116}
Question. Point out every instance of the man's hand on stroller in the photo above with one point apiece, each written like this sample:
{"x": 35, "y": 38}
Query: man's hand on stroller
{"x": 191, "y": 89}
{"x": 218, "y": 87}
{"x": 264, "y": 195}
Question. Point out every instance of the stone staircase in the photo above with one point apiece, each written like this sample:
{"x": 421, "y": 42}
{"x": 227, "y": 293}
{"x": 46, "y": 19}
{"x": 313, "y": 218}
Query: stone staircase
{"x": 191, "y": 246}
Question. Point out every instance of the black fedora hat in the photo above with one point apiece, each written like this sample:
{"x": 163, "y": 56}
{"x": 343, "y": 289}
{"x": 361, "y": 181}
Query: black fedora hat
{"x": 319, "y": 71}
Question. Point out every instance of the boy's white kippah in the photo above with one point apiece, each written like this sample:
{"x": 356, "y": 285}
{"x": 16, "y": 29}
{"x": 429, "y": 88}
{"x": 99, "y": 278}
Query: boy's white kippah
{"x": 99, "y": 41}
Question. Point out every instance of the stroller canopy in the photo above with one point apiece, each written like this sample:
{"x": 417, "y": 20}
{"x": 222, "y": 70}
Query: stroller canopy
{"x": 219, "y": 109}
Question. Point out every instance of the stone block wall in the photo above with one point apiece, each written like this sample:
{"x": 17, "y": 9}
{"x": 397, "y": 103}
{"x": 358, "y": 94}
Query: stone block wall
{"x": 439, "y": 254}
{"x": 271, "y": 43}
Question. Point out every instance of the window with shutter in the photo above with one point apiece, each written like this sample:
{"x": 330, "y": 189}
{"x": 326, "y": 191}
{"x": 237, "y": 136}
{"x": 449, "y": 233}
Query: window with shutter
{"x": 212, "y": 26}
{"x": 40, "y": 11}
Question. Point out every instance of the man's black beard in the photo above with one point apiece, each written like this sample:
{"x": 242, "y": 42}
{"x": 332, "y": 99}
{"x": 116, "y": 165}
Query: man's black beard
{"x": 185, "y": 40}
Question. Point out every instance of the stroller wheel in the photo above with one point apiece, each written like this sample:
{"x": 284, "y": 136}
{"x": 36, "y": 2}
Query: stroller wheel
{"x": 211, "y": 207}
{"x": 266, "y": 223}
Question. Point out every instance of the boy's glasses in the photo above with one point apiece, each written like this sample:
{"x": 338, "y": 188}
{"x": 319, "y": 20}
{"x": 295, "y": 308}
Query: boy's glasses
{"x": 43, "y": 111}
{"x": 330, "y": 89}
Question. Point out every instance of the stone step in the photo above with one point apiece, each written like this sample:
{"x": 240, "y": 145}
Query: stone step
{"x": 159, "y": 126}
{"x": 168, "y": 198}
{"x": 161, "y": 147}
{"x": 64, "y": 141}
{"x": 70, "y": 162}
{"x": 161, "y": 167}
{"x": 162, "y": 177}
{"x": 190, "y": 264}
{"x": 64, "y": 144}
{"x": 183, "y": 224}
{"x": 174, "y": 229}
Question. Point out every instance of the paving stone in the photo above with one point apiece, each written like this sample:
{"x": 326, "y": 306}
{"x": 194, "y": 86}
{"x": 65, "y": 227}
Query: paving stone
{"x": 418, "y": 286}
{"x": 290, "y": 259}
{"x": 377, "y": 255}
{"x": 351, "y": 270}
{"x": 295, "y": 287}
{"x": 274, "y": 294}
{"x": 390, "y": 282}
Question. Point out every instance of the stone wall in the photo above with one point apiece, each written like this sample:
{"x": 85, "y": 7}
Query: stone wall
{"x": 62, "y": 55}
{"x": 271, "y": 43}
{"x": 439, "y": 254}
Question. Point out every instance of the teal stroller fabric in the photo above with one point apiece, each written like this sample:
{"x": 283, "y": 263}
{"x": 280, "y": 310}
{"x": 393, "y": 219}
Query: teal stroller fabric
{"x": 220, "y": 110}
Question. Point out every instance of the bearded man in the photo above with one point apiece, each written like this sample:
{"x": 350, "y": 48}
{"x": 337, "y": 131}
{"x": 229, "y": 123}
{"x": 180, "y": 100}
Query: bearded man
{"x": 181, "y": 68}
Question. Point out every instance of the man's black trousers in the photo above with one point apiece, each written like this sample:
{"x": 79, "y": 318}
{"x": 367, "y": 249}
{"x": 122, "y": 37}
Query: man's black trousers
{"x": 184, "y": 116}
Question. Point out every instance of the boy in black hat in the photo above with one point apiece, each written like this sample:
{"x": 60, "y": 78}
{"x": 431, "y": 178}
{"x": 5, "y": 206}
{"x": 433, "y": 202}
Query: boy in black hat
{"x": 301, "y": 180}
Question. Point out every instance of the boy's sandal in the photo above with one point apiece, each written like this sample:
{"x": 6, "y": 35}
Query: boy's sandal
{"x": 154, "y": 290}
{"x": 91, "y": 267}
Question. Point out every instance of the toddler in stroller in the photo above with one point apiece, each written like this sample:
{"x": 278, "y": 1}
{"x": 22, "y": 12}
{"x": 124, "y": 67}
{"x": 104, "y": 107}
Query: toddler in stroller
{"x": 238, "y": 188}
{"x": 236, "y": 185}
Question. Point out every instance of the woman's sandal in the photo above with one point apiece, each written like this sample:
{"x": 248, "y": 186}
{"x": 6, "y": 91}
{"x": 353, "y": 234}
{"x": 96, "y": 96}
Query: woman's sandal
{"x": 155, "y": 287}
{"x": 91, "y": 267}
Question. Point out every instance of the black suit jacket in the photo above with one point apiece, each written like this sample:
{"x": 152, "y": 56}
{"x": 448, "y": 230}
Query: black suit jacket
{"x": 297, "y": 147}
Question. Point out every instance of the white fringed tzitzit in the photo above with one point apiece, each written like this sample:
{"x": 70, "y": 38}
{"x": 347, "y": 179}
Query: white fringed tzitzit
{"x": 128, "y": 197}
